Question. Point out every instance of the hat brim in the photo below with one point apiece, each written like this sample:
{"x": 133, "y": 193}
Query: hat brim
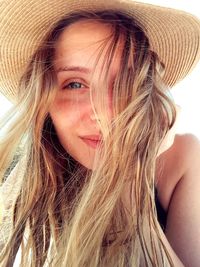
{"x": 173, "y": 34}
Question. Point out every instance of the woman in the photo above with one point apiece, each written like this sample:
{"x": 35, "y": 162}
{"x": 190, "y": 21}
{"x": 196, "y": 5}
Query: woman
{"x": 95, "y": 126}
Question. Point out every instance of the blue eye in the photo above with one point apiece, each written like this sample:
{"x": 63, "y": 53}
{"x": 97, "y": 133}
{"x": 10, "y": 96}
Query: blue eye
{"x": 74, "y": 85}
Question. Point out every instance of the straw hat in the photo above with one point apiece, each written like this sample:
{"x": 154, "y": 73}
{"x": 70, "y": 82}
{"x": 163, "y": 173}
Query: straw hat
{"x": 173, "y": 34}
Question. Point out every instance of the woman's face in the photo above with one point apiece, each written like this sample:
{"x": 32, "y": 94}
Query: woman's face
{"x": 75, "y": 59}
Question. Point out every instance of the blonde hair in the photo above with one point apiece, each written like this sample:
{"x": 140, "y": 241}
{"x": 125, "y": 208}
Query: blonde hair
{"x": 74, "y": 216}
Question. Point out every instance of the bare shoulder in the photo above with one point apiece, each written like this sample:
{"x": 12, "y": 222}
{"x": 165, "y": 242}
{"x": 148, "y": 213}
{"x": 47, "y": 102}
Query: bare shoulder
{"x": 186, "y": 143}
{"x": 183, "y": 218}
{"x": 187, "y": 149}
{"x": 173, "y": 164}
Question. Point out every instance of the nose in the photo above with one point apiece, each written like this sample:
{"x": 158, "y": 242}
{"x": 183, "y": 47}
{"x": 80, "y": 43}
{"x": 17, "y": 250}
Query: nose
{"x": 93, "y": 118}
{"x": 88, "y": 107}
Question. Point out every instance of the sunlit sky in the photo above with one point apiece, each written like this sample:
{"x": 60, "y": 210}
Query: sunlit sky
{"x": 186, "y": 93}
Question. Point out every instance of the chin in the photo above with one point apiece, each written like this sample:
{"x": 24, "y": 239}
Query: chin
{"x": 88, "y": 165}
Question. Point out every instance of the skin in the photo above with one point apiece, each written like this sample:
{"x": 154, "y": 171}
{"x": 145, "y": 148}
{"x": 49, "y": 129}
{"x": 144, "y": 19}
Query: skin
{"x": 178, "y": 191}
{"x": 72, "y": 112}
{"x": 178, "y": 184}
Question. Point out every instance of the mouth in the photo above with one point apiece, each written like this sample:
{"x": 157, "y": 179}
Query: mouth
{"x": 94, "y": 143}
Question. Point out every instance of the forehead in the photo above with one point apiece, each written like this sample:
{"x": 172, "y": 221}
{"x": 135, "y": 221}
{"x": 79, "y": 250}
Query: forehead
{"x": 83, "y": 41}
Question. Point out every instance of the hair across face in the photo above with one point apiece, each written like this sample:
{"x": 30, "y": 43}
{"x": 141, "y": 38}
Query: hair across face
{"x": 79, "y": 61}
{"x": 94, "y": 74}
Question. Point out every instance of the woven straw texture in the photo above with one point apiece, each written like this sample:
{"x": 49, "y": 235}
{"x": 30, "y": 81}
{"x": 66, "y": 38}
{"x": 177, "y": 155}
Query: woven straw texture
{"x": 173, "y": 34}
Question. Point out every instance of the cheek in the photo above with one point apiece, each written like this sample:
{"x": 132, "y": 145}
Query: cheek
{"x": 64, "y": 113}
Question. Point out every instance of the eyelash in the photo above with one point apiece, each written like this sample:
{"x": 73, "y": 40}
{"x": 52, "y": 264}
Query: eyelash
{"x": 66, "y": 86}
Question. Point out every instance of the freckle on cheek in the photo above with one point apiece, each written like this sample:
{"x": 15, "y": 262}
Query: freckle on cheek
{"x": 63, "y": 102}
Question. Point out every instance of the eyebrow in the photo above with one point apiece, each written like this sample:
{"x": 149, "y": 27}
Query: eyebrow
{"x": 73, "y": 68}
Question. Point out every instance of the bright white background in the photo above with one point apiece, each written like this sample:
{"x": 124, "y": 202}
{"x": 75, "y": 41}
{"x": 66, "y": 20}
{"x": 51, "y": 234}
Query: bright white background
{"x": 186, "y": 93}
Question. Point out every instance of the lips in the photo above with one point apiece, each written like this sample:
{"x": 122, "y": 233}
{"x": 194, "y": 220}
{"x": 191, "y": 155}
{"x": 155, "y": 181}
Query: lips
{"x": 91, "y": 140}
{"x": 92, "y": 137}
